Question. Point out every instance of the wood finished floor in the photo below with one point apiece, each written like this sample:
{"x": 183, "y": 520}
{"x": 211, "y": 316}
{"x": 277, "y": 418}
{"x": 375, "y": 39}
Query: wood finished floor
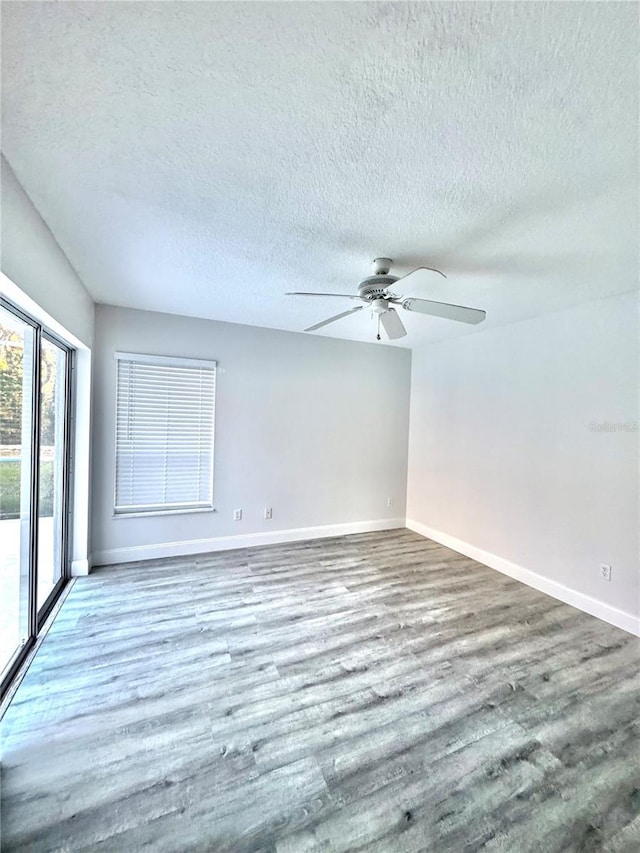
{"x": 375, "y": 692}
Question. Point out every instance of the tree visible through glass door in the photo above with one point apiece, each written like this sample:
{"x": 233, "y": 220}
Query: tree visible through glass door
{"x": 53, "y": 376}
{"x": 17, "y": 348}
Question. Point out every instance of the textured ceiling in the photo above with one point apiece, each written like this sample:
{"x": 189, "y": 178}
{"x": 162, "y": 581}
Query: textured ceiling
{"x": 203, "y": 158}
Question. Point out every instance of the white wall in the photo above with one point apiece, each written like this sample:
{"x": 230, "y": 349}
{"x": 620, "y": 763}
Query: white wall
{"x": 31, "y": 258}
{"x": 504, "y": 463}
{"x": 314, "y": 427}
{"x": 37, "y": 277}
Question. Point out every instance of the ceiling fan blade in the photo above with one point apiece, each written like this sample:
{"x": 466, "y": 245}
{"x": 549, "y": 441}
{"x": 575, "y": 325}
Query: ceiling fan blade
{"x": 333, "y": 319}
{"x": 392, "y": 324}
{"x": 420, "y": 275}
{"x": 305, "y": 293}
{"x": 445, "y": 309}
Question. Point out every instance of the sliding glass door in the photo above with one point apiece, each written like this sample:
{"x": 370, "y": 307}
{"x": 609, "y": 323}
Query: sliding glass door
{"x": 17, "y": 372}
{"x": 34, "y": 472}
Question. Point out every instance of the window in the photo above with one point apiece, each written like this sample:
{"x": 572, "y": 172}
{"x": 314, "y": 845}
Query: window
{"x": 164, "y": 434}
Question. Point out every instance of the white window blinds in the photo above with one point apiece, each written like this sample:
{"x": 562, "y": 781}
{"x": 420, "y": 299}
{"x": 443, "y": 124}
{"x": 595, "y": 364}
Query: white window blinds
{"x": 164, "y": 434}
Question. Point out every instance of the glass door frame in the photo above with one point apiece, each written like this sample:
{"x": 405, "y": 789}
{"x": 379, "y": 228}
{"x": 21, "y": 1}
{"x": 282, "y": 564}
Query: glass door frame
{"x": 37, "y": 617}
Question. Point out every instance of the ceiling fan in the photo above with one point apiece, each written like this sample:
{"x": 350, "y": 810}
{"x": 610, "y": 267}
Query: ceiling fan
{"x": 376, "y": 292}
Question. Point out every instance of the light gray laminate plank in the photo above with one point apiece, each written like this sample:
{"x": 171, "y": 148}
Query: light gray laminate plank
{"x": 369, "y": 692}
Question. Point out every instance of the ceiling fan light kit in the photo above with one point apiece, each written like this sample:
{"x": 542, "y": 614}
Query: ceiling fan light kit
{"x": 375, "y": 291}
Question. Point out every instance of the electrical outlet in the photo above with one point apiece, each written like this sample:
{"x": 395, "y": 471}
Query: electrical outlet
{"x": 268, "y": 512}
{"x": 237, "y": 515}
{"x": 389, "y": 501}
{"x": 605, "y": 572}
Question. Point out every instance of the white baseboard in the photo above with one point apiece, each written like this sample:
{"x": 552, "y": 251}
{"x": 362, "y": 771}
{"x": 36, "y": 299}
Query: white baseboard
{"x": 606, "y": 612}
{"x": 80, "y": 568}
{"x": 247, "y": 540}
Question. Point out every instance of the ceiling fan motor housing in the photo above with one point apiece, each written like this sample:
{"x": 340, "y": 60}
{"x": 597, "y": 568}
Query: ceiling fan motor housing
{"x": 375, "y": 286}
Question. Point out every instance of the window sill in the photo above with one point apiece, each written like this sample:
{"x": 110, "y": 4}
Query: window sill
{"x": 162, "y": 512}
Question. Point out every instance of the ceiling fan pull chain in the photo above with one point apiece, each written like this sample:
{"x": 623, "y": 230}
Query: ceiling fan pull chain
{"x": 378, "y": 335}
